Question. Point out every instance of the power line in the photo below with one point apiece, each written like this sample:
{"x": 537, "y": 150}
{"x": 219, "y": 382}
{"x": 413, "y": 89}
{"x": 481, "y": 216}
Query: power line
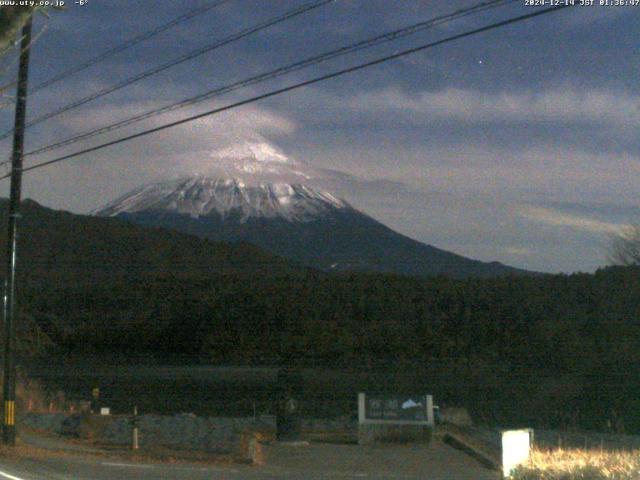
{"x": 124, "y": 46}
{"x": 296, "y": 86}
{"x": 189, "y": 56}
{"x": 7, "y": 67}
{"x": 367, "y": 43}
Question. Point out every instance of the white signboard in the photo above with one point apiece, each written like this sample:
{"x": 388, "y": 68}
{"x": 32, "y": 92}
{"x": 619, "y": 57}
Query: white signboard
{"x": 396, "y": 409}
{"x": 515, "y": 449}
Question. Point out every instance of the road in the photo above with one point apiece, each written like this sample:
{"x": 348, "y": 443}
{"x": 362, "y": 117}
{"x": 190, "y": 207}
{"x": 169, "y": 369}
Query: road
{"x": 314, "y": 462}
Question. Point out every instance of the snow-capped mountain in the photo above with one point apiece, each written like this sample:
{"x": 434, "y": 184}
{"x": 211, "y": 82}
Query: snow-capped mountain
{"x": 254, "y": 193}
{"x": 251, "y": 180}
{"x": 228, "y": 197}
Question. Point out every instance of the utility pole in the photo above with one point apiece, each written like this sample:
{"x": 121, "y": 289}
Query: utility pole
{"x": 9, "y": 379}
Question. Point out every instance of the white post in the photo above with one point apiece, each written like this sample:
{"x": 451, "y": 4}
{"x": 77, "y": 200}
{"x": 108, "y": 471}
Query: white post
{"x": 361, "y": 406}
{"x": 135, "y": 428}
{"x": 515, "y": 449}
{"x": 430, "y": 419}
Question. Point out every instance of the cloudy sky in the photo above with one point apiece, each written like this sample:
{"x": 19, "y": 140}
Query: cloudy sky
{"x": 519, "y": 145}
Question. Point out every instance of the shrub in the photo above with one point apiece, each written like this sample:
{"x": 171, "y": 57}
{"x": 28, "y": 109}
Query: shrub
{"x": 580, "y": 465}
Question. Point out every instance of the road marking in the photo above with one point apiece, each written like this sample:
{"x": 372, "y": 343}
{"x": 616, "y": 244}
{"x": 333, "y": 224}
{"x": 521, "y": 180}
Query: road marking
{"x": 9, "y": 476}
{"x": 211, "y": 468}
{"x": 125, "y": 465}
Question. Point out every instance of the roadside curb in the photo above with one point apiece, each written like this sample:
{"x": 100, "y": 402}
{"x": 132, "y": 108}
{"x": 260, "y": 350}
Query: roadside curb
{"x": 55, "y": 445}
{"x": 460, "y": 444}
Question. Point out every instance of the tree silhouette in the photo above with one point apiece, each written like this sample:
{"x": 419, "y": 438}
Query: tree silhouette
{"x": 625, "y": 247}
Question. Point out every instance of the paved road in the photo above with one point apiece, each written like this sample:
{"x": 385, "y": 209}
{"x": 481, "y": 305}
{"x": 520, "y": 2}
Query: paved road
{"x": 434, "y": 462}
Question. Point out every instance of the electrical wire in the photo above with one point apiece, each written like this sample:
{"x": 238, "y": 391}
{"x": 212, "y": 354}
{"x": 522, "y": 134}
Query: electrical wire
{"x": 296, "y": 86}
{"x": 124, "y": 46}
{"x": 189, "y": 56}
{"x": 7, "y": 67}
{"x": 269, "y": 75}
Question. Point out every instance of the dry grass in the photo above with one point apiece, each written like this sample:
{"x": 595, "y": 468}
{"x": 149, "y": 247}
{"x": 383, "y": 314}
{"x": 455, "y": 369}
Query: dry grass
{"x": 579, "y": 464}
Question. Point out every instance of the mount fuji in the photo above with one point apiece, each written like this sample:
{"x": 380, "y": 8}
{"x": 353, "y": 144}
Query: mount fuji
{"x": 254, "y": 193}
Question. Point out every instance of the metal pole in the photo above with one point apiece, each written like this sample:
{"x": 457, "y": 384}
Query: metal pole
{"x": 135, "y": 428}
{"x": 9, "y": 379}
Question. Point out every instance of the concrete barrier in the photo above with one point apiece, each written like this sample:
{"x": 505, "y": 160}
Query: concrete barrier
{"x": 368, "y": 434}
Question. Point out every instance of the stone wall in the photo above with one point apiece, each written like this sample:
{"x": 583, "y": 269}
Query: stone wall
{"x": 185, "y": 431}
{"x": 369, "y": 434}
{"x": 189, "y": 432}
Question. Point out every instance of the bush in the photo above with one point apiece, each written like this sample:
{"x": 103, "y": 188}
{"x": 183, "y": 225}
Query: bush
{"x": 580, "y": 465}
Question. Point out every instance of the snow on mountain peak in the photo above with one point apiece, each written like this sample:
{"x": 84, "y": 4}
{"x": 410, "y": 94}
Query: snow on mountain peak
{"x": 258, "y": 151}
{"x": 246, "y": 180}
{"x": 254, "y": 162}
{"x": 226, "y": 197}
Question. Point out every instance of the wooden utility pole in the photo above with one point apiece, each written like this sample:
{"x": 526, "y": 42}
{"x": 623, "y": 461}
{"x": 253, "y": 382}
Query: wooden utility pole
{"x": 9, "y": 379}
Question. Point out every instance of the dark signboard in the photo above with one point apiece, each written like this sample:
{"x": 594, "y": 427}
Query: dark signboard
{"x": 397, "y": 407}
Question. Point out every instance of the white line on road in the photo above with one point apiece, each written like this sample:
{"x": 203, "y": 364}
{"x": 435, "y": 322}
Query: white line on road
{"x": 129, "y": 465}
{"x": 211, "y": 468}
{"x": 9, "y": 476}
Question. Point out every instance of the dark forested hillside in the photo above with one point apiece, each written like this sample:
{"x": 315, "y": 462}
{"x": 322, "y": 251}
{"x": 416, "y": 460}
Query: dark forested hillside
{"x": 65, "y": 248}
{"x": 552, "y": 350}
{"x": 556, "y": 350}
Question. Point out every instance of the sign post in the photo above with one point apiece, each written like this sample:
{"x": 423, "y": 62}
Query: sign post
{"x": 288, "y": 419}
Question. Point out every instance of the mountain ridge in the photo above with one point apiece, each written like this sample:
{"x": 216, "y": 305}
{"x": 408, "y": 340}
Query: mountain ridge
{"x": 67, "y": 247}
{"x": 254, "y": 193}
{"x": 340, "y": 243}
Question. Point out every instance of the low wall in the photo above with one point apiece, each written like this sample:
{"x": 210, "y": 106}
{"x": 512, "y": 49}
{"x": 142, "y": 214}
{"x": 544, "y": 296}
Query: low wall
{"x": 186, "y": 431}
{"x": 368, "y": 434}
{"x": 189, "y": 432}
